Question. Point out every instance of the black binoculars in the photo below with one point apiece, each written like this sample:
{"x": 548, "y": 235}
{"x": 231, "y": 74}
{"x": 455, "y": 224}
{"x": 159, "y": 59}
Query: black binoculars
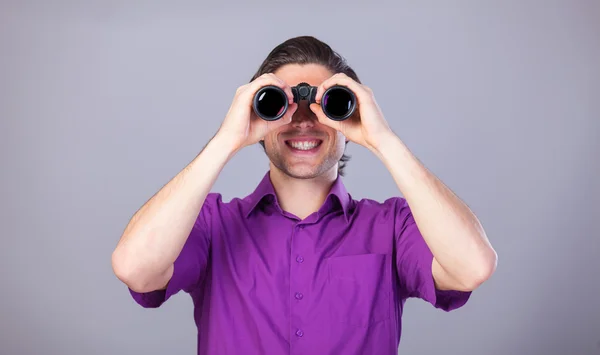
{"x": 271, "y": 102}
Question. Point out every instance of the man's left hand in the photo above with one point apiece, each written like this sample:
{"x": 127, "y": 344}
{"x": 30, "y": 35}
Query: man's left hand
{"x": 367, "y": 126}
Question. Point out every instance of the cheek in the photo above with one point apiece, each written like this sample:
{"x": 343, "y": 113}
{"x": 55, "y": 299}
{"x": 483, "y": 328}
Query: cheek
{"x": 340, "y": 140}
{"x": 271, "y": 141}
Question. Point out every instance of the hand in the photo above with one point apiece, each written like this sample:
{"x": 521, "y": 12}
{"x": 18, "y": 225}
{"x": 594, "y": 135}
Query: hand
{"x": 241, "y": 126}
{"x": 366, "y": 126}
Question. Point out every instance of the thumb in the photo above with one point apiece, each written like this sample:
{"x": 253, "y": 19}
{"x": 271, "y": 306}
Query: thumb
{"x": 323, "y": 119}
{"x": 268, "y": 126}
{"x": 287, "y": 118}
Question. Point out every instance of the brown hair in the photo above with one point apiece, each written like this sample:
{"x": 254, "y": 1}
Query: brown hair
{"x": 307, "y": 50}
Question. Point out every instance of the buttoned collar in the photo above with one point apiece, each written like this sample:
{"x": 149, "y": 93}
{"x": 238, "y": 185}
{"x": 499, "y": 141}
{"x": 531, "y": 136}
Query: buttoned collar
{"x": 264, "y": 193}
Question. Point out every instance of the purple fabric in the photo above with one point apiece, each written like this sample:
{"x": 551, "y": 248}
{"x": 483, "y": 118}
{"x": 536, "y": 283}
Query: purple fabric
{"x": 264, "y": 282}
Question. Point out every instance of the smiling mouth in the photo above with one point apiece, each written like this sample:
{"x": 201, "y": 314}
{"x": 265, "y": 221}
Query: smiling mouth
{"x": 304, "y": 145}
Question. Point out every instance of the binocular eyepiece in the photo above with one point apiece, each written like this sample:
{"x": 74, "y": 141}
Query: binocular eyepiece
{"x": 271, "y": 103}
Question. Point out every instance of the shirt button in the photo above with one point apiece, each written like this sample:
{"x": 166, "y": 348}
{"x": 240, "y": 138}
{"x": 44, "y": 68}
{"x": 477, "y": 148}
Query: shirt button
{"x": 299, "y": 296}
{"x": 299, "y": 259}
{"x": 299, "y": 333}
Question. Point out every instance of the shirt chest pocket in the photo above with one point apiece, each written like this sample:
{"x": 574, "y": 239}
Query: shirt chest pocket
{"x": 359, "y": 289}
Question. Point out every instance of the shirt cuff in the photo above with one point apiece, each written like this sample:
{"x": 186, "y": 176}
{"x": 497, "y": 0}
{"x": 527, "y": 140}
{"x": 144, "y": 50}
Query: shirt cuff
{"x": 446, "y": 300}
{"x": 154, "y": 299}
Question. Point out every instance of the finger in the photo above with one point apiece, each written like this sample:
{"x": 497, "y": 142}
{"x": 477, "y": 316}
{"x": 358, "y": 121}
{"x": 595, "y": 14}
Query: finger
{"x": 265, "y": 127}
{"x": 270, "y": 79}
{"x": 285, "y": 119}
{"x": 322, "y": 118}
{"x": 362, "y": 93}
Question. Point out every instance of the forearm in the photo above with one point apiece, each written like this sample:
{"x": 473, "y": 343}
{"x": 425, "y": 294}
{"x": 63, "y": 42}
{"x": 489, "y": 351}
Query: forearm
{"x": 158, "y": 231}
{"x": 452, "y": 232}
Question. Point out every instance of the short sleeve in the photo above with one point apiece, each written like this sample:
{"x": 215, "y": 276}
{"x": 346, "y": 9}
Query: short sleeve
{"x": 190, "y": 265}
{"x": 414, "y": 264}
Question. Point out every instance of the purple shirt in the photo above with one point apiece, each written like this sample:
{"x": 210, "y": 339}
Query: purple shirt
{"x": 265, "y": 282}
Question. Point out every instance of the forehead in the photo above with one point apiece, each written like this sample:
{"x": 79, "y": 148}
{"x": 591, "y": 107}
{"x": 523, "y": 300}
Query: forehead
{"x": 294, "y": 74}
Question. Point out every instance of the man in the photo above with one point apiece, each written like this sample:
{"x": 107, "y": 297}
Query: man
{"x": 298, "y": 266}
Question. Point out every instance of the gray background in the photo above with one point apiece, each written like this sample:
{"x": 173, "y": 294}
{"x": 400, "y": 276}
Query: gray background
{"x": 102, "y": 102}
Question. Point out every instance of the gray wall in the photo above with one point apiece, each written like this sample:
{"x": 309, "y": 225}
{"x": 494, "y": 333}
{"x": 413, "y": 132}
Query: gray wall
{"x": 102, "y": 102}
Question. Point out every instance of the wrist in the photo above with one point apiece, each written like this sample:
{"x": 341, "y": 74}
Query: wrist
{"x": 385, "y": 143}
{"x": 225, "y": 144}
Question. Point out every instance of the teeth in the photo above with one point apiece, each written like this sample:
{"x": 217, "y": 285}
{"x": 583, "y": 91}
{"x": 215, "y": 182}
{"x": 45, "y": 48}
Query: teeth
{"x": 305, "y": 145}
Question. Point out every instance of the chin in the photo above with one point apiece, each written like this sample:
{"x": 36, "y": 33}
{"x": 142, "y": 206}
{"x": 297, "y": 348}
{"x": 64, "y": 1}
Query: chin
{"x": 306, "y": 170}
{"x": 302, "y": 173}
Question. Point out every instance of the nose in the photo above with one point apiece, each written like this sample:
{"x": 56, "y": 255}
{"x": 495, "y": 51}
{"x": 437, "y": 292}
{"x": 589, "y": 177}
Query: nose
{"x": 303, "y": 117}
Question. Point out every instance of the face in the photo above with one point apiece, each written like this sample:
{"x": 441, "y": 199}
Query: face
{"x": 304, "y": 148}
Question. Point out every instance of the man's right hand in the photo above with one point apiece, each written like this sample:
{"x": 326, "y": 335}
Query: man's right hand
{"x": 154, "y": 237}
{"x": 241, "y": 126}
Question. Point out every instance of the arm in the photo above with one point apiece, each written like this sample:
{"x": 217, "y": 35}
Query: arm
{"x": 463, "y": 256}
{"x": 156, "y": 234}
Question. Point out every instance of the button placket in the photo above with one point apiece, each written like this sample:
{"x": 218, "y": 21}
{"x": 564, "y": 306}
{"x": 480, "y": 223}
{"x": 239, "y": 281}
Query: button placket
{"x": 298, "y": 275}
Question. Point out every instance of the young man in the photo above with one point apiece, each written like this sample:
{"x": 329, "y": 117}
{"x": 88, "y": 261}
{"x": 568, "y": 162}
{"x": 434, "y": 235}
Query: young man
{"x": 298, "y": 266}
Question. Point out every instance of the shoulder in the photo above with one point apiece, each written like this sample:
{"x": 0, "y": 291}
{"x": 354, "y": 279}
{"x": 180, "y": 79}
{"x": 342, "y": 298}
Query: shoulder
{"x": 391, "y": 207}
{"x": 217, "y": 205}
{"x": 393, "y": 212}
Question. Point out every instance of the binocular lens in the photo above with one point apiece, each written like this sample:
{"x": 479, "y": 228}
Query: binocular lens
{"x": 270, "y": 103}
{"x": 338, "y": 103}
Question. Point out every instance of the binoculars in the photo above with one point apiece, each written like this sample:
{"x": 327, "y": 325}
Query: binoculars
{"x": 271, "y": 102}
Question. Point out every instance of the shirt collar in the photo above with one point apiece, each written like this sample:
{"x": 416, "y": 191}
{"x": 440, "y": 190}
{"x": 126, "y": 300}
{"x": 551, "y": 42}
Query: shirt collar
{"x": 265, "y": 193}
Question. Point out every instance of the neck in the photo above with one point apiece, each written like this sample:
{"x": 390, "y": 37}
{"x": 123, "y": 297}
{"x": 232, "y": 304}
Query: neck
{"x": 301, "y": 197}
